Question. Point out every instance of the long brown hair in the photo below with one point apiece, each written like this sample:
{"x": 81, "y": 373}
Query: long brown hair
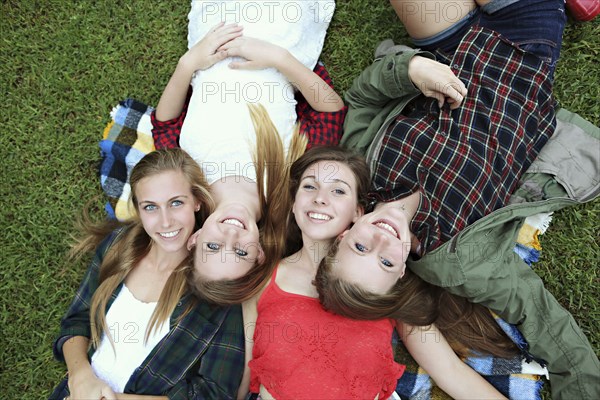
{"x": 466, "y": 326}
{"x": 134, "y": 243}
{"x": 351, "y": 159}
{"x": 272, "y": 169}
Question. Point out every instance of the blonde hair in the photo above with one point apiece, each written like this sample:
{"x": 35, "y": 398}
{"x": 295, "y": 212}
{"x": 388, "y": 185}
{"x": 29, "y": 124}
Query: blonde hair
{"x": 134, "y": 243}
{"x": 272, "y": 170}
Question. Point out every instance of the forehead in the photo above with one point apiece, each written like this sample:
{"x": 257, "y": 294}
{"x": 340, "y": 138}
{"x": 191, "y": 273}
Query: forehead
{"x": 329, "y": 172}
{"x": 165, "y": 184}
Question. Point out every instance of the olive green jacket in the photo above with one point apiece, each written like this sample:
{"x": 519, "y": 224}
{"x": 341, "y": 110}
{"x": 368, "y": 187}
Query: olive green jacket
{"x": 479, "y": 263}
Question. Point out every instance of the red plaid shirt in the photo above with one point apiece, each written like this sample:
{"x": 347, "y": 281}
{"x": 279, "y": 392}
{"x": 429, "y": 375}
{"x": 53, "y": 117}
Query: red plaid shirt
{"x": 321, "y": 128}
{"x": 467, "y": 162}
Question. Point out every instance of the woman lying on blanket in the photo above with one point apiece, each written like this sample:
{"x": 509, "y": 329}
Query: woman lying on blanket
{"x": 297, "y": 350}
{"x": 259, "y": 56}
{"x": 150, "y": 336}
{"x": 444, "y": 175}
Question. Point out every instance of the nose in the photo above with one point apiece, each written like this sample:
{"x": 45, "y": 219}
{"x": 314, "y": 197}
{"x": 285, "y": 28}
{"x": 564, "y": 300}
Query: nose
{"x": 230, "y": 231}
{"x": 379, "y": 238}
{"x": 165, "y": 218}
{"x": 320, "y": 198}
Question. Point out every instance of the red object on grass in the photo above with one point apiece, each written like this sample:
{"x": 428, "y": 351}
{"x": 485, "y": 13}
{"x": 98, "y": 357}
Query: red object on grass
{"x": 583, "y": 10}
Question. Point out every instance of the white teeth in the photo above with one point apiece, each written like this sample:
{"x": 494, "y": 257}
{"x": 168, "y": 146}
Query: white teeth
{"x": 387, "y": 227}
{"x": 322, "y": 217}
{"x": 234, "y": 222}
{"x": 169, "y": 234}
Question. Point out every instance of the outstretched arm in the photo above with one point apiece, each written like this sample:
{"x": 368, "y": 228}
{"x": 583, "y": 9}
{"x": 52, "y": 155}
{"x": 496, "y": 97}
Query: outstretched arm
{"x": 432, "y": 352}
{"x": 201, "y": 56}
{"x": 260, "y": 54}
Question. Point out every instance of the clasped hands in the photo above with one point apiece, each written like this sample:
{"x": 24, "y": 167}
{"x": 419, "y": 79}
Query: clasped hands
{"x": 224, "y": 41}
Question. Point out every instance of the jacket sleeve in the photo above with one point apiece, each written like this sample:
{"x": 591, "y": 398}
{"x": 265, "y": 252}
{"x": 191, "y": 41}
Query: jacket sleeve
{"x": 219, "y": 371}
{"x": 497, "y": 277}
{"x": 76, "y": 321}
{"x": 374, "y": 93}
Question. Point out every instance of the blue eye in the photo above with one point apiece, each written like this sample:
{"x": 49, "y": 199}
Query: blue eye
{"x": 149, "y": 207}
{"x": 339, "y": 191}
{"x": 360, "y": 247}
{"x": 308, "y": 187}
{"x": 213, "y": 246}
{"x": 241, "y": 253}
{"x": 176, "y": 203}
{"x": 386, "y": 262}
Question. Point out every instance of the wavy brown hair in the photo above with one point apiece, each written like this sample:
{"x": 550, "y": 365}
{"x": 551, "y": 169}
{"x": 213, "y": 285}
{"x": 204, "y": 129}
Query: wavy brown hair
{"x": 466, "y": 326}
{"x": 134, "y": 243}
{"x": 272, "y": 170}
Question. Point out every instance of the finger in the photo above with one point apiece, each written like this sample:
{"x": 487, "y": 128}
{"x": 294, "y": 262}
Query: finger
{"x": 218, "y": 56}
{"x": 453, "y": 103}
{"x": 227, "y": 38}
{"x": 227, "y": 29}
{"x": 231, "y": 44}
{"x": 439, "y": 97}
{"x": 217, "y": 26}
{"x": 455, "y": 94}
{"x": 237, "y": 64}
{"x": 241, "y": 65}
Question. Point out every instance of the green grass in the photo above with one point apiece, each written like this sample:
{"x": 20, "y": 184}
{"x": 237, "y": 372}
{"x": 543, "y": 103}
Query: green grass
{"x": 64, "y": 65}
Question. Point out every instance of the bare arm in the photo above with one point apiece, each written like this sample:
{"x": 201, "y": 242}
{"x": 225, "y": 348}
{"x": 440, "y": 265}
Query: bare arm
{"x": 201, "y": 56}
{"x": 83, "y": 383}
{"x": 432, "y": 352}
{"x": 250, "y": 314}
{"x": 260, "y": 54}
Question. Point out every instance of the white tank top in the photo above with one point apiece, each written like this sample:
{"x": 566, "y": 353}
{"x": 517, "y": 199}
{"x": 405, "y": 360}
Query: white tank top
{"x": 127, "y": 320}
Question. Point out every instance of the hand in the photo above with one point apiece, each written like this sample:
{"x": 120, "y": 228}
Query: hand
{"x": 258, "y": 53}
{"x": 436, "y": 80}
{"x": 208, "y": 51}
{"x": 86, "y": 385}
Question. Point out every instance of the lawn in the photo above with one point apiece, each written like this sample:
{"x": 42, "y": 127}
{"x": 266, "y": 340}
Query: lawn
{"x": 64, "y": 65}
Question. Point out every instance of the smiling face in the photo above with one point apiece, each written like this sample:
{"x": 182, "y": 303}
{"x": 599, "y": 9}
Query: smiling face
{"x": 326, "y": 202}
{"x": 227, "y": 246}
{"x": 373, "y": 252}
{"x": 166, "y": 207}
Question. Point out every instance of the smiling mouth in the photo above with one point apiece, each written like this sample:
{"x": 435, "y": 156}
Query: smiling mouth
{"x": 168, "y": 235}
{"x": 387, "y": 227}
{"x": 319, "y": 216}
{"x": 234, "y": 222}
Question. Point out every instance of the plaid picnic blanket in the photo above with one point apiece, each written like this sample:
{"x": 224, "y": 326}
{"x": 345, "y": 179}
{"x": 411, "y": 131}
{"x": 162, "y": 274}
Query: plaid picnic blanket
{"x": 128, "y": 137}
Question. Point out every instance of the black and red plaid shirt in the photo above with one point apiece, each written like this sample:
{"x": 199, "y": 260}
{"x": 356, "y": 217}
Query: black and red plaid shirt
{"x": 467, "y": 162}
{"x": 321, "y": 128}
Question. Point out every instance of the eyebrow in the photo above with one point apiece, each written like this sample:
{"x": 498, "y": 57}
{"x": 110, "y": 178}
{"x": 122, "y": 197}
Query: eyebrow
{"x": 185, "y": 196}
{"x": 314, "y": 178}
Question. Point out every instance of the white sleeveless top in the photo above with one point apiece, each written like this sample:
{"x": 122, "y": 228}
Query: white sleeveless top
{"x": 127, "y": 320}
{"x": 218, "y": 132}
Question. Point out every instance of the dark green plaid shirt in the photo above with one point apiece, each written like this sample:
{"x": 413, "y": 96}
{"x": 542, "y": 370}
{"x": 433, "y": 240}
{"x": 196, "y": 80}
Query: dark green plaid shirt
{"x": 202, "y": 356}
